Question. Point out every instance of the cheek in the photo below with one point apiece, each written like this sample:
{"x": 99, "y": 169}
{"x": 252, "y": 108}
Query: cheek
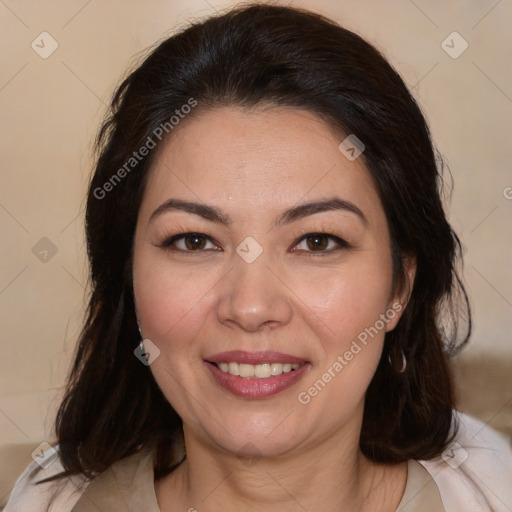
{"x": 171, "y": 303}
{"x": 172, "y": 306}
{"x": 347, "y": 301}
{"x": 347, "y": 311}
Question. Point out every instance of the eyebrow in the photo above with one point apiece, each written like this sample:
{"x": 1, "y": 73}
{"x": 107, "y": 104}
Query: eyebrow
{"x": 210, "y": 213}
{"x": 214, "y": 214}
{"x": 304, "y": 210}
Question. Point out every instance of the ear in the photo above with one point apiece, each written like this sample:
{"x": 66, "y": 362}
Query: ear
{"x": 400, "y": 299}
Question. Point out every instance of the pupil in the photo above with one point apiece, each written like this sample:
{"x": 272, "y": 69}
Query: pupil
{"x": 317, "y": 242}
{"x": 195, "y": 242}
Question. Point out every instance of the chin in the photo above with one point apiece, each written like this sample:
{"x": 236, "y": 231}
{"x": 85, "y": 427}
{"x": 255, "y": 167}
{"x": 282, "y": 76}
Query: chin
{"x": 261, "y": 435}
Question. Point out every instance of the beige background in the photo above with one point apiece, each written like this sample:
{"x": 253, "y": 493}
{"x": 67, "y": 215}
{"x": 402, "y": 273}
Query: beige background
{"x": 51, "y": 109}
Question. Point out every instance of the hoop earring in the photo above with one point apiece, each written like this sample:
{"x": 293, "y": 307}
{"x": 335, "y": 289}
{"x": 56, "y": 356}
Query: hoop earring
{"x": 404, "y": 363}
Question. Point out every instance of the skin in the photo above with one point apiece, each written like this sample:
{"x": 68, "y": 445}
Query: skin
{"x": 274, "y": 453}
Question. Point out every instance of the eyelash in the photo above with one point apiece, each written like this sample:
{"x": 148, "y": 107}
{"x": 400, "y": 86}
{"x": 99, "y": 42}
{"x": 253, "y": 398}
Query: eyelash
{"x": 341, "y": 244}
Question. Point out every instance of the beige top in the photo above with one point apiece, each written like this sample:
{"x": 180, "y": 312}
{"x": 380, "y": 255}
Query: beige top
{"x": 474, "y": 474}
{"x": 128, "y": 486}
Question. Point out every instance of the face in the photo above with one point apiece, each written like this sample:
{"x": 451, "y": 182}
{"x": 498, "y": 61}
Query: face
{"x": 262, "y": 251}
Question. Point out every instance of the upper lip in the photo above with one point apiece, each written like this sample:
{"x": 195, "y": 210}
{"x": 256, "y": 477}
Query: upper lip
{"x": 240, "y": 356}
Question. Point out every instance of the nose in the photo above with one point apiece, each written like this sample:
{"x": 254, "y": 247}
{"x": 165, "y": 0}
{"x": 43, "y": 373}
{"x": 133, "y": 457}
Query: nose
{"x": 252, "y": 297}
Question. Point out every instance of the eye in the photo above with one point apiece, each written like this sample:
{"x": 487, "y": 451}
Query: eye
{"x": 189, "y": 242}
{"x": 320, "y": 242}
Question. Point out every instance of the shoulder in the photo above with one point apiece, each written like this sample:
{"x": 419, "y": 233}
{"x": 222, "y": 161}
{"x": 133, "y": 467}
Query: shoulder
{"x": 56, "y": 496}
{"x": 475, "y": 471}
{"x": 129, "y": 480}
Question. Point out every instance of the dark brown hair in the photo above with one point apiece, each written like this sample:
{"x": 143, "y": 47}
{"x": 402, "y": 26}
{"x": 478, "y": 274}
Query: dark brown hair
{"x": 263, "y": 54}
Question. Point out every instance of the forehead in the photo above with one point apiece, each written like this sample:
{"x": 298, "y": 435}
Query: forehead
{"x": 263, "y": 159}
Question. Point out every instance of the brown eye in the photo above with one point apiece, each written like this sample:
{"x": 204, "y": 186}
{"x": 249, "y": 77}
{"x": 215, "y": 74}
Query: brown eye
{"x": 317, "y": 242}
{"x": 189, "y": 242}
{"x": 320, "y": 243}
{"x": 194, "y": 242}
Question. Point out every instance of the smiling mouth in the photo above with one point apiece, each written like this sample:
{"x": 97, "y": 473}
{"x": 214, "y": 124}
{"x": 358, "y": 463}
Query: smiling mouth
{"x": 256, "y": 371}
{"x": 256, "y": 375}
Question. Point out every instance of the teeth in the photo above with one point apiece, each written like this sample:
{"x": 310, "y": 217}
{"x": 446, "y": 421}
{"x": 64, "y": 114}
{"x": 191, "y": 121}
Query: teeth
{"x": 233, "y": 369}
{"x": 262, "y": 371}
{"x": 246, "y": 370}
{"x": 258, "y": 371}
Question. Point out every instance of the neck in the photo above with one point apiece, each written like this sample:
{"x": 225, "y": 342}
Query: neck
{"x": 335, "y": 472}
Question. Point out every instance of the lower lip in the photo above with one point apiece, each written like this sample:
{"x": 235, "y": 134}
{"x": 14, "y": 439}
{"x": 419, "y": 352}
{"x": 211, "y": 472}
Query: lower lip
{"x": 256, "y": 388}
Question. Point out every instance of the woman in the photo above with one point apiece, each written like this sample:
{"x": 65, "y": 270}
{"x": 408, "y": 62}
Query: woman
{"x": 270, "y": 267}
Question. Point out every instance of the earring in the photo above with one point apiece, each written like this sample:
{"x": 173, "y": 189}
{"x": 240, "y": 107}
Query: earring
{"x": 404, "y": 363}
{"x": 142, "y": 348}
